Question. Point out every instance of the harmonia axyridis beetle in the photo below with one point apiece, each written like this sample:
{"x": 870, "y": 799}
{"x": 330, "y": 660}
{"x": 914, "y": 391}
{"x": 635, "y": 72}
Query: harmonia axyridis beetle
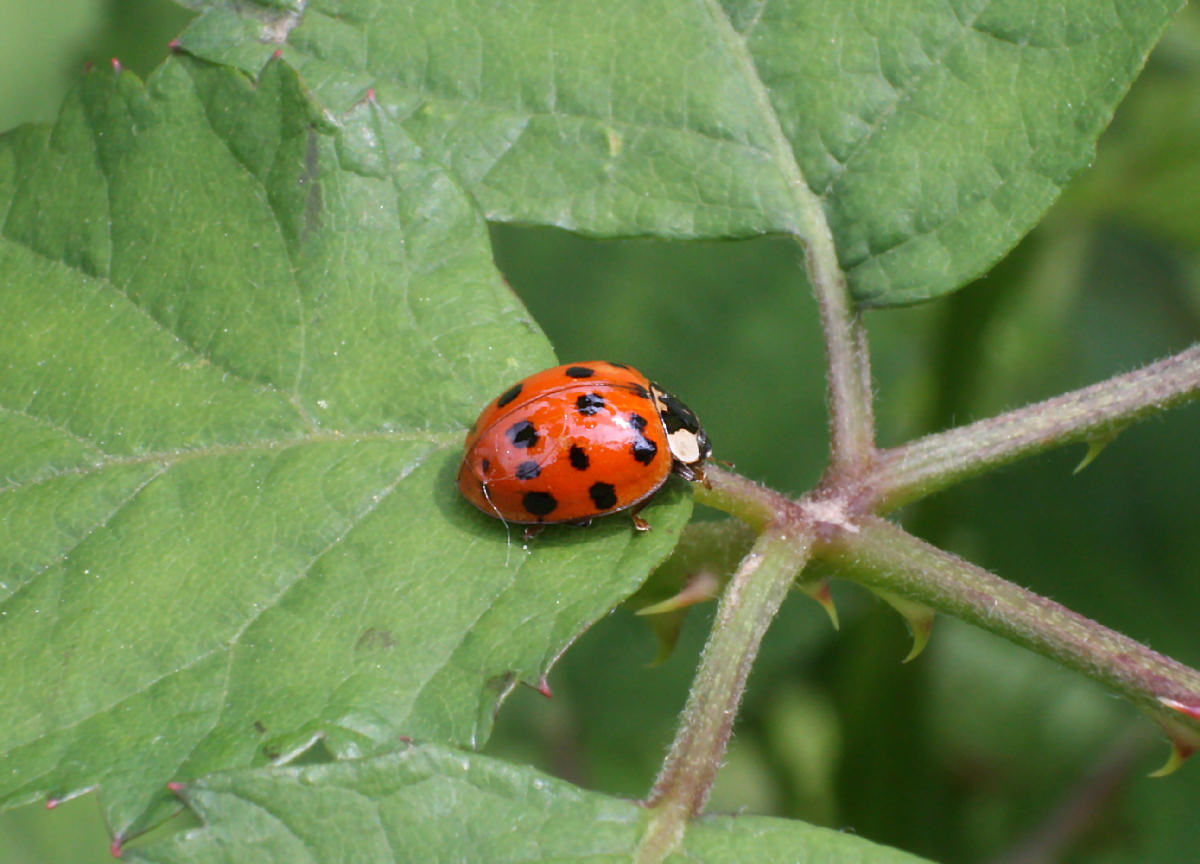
{"x": 578, "y": 441}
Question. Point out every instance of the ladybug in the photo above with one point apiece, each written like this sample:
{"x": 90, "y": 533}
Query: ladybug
{"x": 578, "y": 441}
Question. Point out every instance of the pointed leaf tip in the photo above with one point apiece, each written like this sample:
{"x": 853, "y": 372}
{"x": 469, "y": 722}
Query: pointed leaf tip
{"x": 543, "y": 687}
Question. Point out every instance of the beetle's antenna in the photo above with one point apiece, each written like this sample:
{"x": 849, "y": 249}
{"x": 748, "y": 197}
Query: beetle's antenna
{"x": 507, "y": 531}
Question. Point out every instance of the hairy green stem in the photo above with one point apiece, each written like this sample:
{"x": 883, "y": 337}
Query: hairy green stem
{"x": 1092, "y": 414}
{"x": 747, "y": 606}
{"x": 851, "y": 421}
{"x": 751, "y": 502}
{"x": 882, "y": 555}
{"x": 852, "y": 426}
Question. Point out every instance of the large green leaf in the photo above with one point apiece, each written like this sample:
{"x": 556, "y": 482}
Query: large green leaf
{"x": 431, "y": 804}
{"x": 241, "y": 342}
{"x": 935, "y": 134}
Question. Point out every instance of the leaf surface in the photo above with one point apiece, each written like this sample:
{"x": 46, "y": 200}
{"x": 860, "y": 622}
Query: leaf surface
{"x": 431, "y": 804}
{"x": 934, "y": 135}
{"x": 242, "y": 342}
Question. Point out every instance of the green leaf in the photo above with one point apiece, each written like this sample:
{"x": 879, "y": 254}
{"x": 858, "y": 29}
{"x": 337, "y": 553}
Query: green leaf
{"x": 432, "y": 804}
{"x": 934, "y": 135}
{"x": 620, "y": 118}
{"x": 242, "y": 341}
{"x": 939, "y": 134}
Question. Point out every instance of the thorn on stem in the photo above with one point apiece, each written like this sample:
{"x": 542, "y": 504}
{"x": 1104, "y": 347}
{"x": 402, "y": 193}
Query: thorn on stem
{"x": 1182, "y": 735}
{"x": 700, "y": 587}
{"x": 819, "y": 591}
{"x": 918, "y": 618}
{"x": 1190, "y": 710}
{"x": 1095, "y": 446}
{"x": 1179, "y": 754}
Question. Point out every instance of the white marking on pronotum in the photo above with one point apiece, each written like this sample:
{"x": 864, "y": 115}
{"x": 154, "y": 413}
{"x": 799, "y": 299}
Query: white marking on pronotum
{"x": 684, "y": 446}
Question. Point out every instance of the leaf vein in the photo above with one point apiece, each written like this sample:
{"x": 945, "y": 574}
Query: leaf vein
{"x": 233, "y": 642}
{"x": 965, "y": 26}
{"x": 55, "y": 426}
{"x": 82, "y": 538}
{"x": 214, "y": 451}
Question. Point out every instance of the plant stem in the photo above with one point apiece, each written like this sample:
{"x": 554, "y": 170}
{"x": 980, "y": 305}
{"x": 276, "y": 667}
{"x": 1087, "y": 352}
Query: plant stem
{"x": 852, "y": 426}
{"x": 851, "y": 421}
{"x": 751, "y": 502}
{"x": 883, "y": 555}
{"x": 1093, "y": 414}
{"x": 747, "y": 606}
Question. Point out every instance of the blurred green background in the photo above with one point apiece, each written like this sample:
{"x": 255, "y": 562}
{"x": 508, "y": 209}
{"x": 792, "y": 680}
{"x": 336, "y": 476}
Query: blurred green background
{"x": 977, "y": 751}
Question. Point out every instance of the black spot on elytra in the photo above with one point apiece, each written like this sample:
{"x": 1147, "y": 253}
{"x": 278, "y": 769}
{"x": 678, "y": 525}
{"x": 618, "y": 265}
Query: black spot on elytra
{"x": 528, "y": 470}
{"x": 539, "y": 503}
{"x": 579, "y": 458}
{"x": 638, "y": 422}
{"x": 589, "y": 403}
{"x": 603, "y": 495}
{"x": 644, "y": 450}
{"x": 485, "y": 464}
{"x": 640, "y": 391}
{"x": 579, "y": 372}
{"x": 522, "y": 434}
{"x": 618, "y": 365}
{"x": 509, "y": 395}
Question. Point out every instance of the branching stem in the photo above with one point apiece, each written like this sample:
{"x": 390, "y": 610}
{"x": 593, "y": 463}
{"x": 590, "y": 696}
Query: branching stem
{"x": 838, "y": 521}
{"x": 882, "y": 555}
{"x": 1093, "y": 414}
